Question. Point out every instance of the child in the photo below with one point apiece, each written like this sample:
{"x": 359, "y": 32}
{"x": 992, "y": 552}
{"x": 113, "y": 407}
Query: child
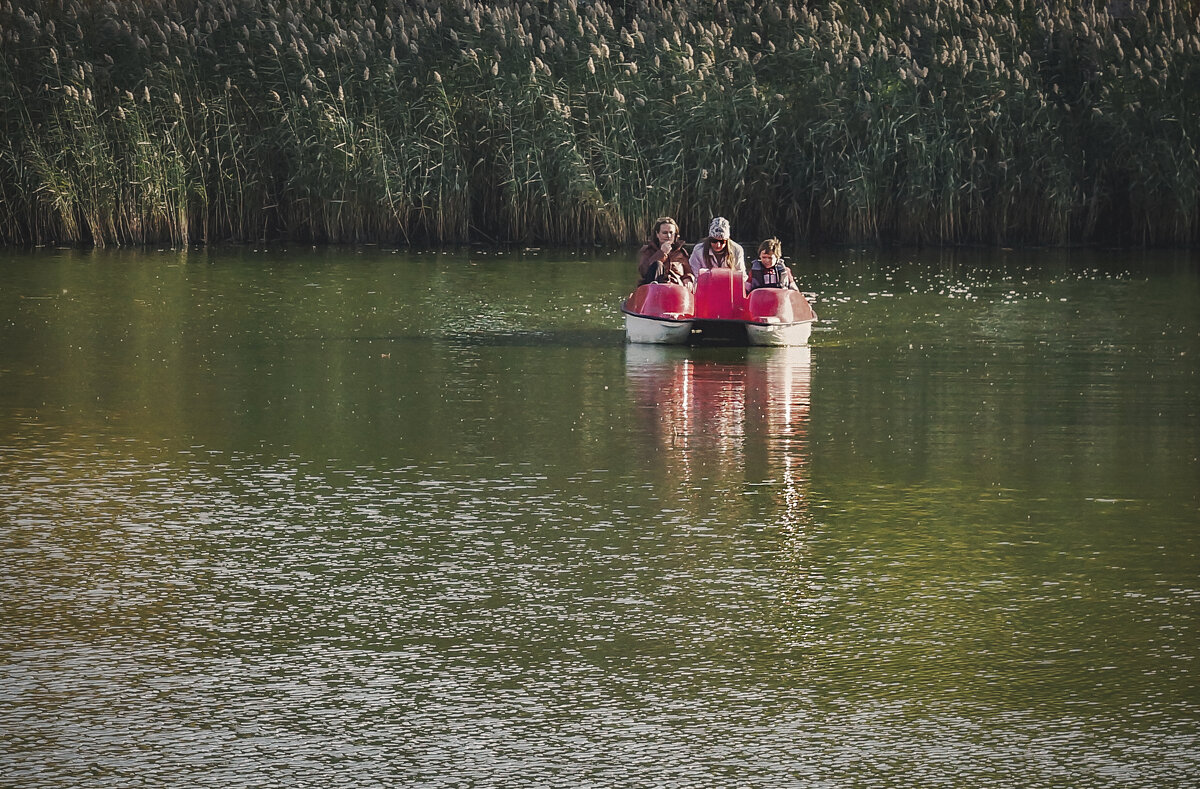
{"x": 769, "y": 271}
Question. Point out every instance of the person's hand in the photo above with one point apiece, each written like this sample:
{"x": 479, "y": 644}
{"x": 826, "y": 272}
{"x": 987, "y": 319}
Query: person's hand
{"x": 666, "y": 247}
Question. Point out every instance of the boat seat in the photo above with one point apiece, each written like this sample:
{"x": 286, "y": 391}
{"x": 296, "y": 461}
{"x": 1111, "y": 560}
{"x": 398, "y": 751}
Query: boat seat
{"x": 663, "y": 300}
{"x": 721, "y": 294}
{"x": 771, "y": 303}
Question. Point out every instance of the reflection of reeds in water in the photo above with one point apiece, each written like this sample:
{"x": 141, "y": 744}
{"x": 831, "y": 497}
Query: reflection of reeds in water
{"x": 938, "y": 120}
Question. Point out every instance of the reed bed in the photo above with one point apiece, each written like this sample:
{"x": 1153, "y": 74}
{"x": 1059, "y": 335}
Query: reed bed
{"x": 440, "y": 122}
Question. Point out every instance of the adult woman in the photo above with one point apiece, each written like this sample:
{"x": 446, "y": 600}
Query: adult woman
{"x": 718, "y": 251}
{"x": 663, "y": 258}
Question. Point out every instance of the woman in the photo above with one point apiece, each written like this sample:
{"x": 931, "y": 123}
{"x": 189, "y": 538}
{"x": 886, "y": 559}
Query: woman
{"x": 717, "y": 251}
{"x": 663, "y": 258}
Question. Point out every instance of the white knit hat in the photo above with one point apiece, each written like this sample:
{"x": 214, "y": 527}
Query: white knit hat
{"x": 719, "y": 228}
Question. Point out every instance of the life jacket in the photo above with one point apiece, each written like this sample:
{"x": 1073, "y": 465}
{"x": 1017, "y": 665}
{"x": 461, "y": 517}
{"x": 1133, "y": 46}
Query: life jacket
{"x": 774, "y": 277}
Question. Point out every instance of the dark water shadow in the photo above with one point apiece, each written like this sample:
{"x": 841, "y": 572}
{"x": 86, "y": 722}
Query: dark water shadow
{"x": 519, "y": 339}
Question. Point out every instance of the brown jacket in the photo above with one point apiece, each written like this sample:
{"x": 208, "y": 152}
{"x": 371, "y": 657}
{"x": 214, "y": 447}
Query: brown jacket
{"x": 651, "y": 254}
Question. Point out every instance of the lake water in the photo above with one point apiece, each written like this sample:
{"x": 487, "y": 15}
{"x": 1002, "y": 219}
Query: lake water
{"x": 370, "y": 518}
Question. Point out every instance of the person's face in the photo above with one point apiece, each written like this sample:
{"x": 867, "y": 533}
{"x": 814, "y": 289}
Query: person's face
{"x": 718, "y": 244}
{"x": 666, "y": 233}
{"x": 768, "y": 258}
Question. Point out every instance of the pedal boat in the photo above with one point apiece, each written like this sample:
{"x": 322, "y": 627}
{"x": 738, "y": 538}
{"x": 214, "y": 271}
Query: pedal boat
{"x": 719, "y": 312}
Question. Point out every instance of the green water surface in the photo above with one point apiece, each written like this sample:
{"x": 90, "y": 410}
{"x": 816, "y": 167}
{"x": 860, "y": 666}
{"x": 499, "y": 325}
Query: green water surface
{"x": 363, "y": 517}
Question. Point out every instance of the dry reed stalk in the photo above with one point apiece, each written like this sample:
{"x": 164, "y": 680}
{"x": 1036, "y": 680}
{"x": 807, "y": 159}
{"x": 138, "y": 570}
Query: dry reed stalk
{"x": 441, "y": 121}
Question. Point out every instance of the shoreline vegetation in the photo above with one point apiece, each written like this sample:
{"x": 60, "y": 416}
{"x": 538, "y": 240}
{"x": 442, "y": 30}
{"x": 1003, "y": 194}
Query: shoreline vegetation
{"x": 1027, "y": 122}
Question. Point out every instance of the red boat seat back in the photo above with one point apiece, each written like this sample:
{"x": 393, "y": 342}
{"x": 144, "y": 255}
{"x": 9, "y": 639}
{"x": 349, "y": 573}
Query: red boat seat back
{"x": 801, "y": 309}
{"x": 787, "y": 306}
{"x": 659, "y": 299}
{"x": 771, "y": 303}
{"x": 721, "y": 294}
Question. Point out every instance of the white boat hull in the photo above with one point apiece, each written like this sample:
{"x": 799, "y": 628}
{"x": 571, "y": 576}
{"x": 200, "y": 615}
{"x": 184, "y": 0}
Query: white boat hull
{"x": 657, "y": 331}
{"x": 779, "y": 333}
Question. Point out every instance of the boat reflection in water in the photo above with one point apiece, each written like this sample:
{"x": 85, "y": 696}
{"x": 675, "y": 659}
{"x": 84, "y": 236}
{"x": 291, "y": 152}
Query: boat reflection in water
{"x": 735, "y": 422}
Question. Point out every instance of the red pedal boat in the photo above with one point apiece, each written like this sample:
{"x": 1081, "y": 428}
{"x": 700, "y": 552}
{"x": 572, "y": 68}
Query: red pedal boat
{"x": 719, "y": 311}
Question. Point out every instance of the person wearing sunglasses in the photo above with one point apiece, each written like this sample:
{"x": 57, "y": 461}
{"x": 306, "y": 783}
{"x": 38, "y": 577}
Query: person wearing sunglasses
{"x": 717, "y": 250}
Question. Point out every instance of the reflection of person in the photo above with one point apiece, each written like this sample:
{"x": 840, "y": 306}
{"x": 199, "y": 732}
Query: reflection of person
{"x": 769, "y": 270}
{"x": 663, "y": 259}
{"x": 717, "y": 250}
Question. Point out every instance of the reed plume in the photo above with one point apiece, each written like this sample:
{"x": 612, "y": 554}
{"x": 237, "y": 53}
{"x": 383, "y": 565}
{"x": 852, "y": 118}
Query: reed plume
{"x": 451, "y": 121}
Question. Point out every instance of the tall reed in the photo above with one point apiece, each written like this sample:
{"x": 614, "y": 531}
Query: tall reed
{"x": 448, "y": 121}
